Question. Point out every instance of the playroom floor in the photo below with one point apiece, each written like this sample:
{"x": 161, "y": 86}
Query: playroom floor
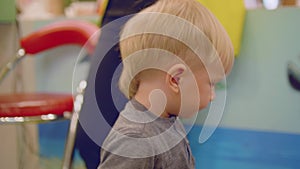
{"x": 226, "y": 149}
{"x": 245, "y": 149}
{"x": 55, "y": 163}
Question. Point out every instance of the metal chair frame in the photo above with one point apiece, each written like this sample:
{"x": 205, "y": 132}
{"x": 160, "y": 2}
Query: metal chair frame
{"x": 76, "y": 32}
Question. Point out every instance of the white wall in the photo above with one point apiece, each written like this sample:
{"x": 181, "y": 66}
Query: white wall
{"x": 15, "y": 152}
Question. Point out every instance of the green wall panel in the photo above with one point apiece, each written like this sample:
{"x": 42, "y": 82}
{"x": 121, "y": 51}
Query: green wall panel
{"x": 7, "y": 11}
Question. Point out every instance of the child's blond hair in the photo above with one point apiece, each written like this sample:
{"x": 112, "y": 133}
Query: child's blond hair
{"x": 182, "y": 28}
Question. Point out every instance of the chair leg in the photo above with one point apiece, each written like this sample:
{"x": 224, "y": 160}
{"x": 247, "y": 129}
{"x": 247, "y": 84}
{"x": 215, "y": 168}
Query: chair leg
{"x": 70, "y": 142}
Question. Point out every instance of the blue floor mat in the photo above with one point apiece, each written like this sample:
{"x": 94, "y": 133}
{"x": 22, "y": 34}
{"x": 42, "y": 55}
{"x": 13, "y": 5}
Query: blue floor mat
{"x": 226, "y": 149}
{"x": 245, "y": 149}
{"x": 52, "y": 140}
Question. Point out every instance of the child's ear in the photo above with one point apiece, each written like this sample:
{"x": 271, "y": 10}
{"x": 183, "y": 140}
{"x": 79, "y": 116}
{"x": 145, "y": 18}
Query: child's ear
{"x": 175, "y": 75}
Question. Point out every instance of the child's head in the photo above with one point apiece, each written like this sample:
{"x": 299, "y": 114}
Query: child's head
{"x": 175, "y": 38}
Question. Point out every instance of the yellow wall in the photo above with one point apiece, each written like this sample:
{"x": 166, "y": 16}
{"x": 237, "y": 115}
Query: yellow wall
{"x": 231, "y": 14}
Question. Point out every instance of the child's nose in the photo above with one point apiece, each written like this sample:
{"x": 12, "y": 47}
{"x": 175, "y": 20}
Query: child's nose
{"x": 212, "y": 93}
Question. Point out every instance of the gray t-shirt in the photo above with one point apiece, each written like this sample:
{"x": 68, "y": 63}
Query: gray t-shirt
{"x": 141, "y": 140}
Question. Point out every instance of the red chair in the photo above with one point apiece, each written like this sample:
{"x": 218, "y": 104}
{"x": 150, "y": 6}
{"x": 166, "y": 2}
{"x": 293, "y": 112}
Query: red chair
{"x": 45, "y": 107}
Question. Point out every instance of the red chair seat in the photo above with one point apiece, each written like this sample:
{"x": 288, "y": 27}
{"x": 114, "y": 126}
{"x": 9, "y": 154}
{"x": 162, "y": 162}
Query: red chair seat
{"x": 35, "y": 104}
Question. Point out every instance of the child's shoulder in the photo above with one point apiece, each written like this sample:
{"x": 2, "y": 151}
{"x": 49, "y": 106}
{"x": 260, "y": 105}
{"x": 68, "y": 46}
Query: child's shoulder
{"x": 127, "y": 139}
{"x": 126, "y": 127}
{"x": 136, "y": 121}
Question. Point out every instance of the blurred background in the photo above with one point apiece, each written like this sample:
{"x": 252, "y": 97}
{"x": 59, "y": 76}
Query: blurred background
{"x": 260, "y": 127}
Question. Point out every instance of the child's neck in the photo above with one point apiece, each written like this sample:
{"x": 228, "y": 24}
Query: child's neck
{"x": 154, "y": 101}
